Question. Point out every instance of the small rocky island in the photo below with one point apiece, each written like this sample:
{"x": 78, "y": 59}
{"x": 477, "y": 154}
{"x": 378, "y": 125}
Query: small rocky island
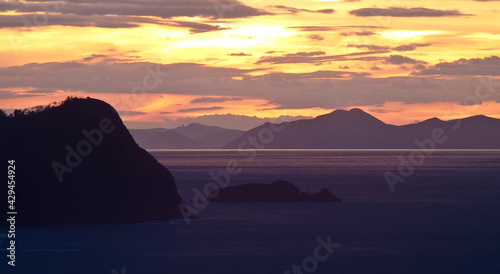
{"x": 278, "y": 191}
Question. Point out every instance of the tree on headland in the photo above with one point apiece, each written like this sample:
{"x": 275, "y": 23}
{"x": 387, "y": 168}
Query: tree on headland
{"x": 37, "y": 109}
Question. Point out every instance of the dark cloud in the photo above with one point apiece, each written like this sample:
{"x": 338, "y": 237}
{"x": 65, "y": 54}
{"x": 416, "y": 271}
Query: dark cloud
{"x": 406, "y": 12}
{"x": 419, "y": 67}
{"x": 94, "y": 56}
{"x": 379, "y": 110}
{"x": 322, "y": 89}
{"x": 314, "y": 28}
{"x": 468, "y": 102}
{"x": 490, "y": 48}
{"x": 411, "y": 47}
{"x": 199, "y": 109}
{"x": 474, "y": 66}
{"x": 41, "y": 91}
{"x": 415, "y": 83}
{"x": 302, "y": 53}
{"x": 109, "y": 77}
{"x": 321, "y": 74}
{"x": 12, "y": 95}
{"x": 333, "y": 28}
{"x": 14, "y": 21}
{"x": 102, "y": 21}
{"x": 123, "y": 14}
{"x": 293, "y": 10}
{"x": 365, "y": 27}
{"x": 290, "y": 58}
{"x": 369, "y": 47}
{"x": 399, "y": 60}
{"x": 293, "y": 92}
{"x": 156, "y": 8}
{"x": 358, "y": 33}
{"x": 195, "y": 27}
{"x": 401, "y": 48}
{"x": 240, "y": 54}
{"x": 213, "y": 100}
{"x": 316, "y": 37}
{"x": 131, "y": 113}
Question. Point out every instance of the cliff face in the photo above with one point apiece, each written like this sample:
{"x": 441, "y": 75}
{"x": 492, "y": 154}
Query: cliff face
{"x": 78, "y": 164}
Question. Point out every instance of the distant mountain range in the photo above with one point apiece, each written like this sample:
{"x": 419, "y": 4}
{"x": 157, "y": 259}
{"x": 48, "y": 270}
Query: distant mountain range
{"x": 356, "y": 129}
{"x": 191, "y": 136}
{"x": 340, "y": 129}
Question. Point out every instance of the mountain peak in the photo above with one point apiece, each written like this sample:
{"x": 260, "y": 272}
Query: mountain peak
{"x": 433, "y": 120}
{"x": 480, "y": 119}
{"x": 354, "y": 110}
{"x": 353, "y": 116}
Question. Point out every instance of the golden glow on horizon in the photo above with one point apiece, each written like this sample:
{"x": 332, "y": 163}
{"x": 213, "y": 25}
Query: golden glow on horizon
{"x": 398, "y": 113}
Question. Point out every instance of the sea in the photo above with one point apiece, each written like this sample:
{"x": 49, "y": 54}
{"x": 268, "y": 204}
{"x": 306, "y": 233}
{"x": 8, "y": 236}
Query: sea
{"x": 403, "y": 211}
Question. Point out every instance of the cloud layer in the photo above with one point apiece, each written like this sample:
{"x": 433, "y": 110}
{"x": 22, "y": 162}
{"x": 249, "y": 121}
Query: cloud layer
{"x": 406, "y": 12}
{"x": 324, "y": 89}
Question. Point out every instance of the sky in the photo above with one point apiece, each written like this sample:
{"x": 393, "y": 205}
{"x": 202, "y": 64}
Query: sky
{"x": 238, "y": 64}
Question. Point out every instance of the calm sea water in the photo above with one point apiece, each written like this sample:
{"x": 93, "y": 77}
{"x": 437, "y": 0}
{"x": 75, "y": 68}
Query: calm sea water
{"x": 445, "y": 218}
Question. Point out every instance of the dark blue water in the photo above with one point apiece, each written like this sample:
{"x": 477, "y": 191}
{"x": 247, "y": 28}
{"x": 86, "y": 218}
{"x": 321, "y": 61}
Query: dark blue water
{"x": 445, "y": 218}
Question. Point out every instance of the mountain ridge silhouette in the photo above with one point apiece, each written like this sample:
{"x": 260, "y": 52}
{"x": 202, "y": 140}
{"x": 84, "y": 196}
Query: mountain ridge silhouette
{"x": 356, "y": 129}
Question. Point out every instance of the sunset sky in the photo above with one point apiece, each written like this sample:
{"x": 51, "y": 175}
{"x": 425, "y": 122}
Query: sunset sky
{"x": 237, "y": 64}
